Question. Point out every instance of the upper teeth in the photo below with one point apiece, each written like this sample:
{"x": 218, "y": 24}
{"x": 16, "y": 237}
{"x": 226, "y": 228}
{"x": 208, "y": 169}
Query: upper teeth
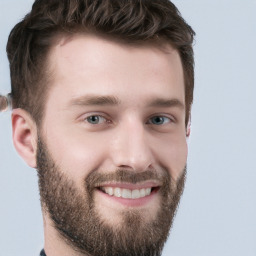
{"x": 127, "y": 193}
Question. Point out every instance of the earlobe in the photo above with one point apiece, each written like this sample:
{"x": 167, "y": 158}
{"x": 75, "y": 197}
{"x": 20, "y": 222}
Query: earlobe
{"x": 188, "y": 129}
{"x": 24, "y": 136}
{"x": 188, "y": 132}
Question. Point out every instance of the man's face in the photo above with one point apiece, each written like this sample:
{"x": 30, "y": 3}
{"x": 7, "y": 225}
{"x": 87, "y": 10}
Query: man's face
{"x": 112, "y": 149}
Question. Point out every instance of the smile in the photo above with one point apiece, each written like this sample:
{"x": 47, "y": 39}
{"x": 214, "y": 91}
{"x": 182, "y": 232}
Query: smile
{"x": 127, "y": 193}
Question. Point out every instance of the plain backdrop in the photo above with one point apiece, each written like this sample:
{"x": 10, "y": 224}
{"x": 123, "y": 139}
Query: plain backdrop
{"x": 217, "y": 214}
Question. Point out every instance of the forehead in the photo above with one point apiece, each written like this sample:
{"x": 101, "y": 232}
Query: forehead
{"x": 89, "y": 64}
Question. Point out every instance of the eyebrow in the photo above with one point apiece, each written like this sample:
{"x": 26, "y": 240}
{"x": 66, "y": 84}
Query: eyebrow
{"x": 161, "y": 102}
{"x": 92, "y": 100}
{"x": 109, "y": 100}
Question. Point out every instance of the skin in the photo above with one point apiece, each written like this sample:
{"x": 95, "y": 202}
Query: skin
{"x": 86, "y": 68}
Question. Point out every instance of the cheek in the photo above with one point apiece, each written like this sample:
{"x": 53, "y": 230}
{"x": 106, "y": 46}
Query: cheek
{"x": 173, "y": 154}
{"x": 77, "y": 153}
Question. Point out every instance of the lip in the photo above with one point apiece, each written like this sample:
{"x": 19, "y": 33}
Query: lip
{"x": 127, "y": 202}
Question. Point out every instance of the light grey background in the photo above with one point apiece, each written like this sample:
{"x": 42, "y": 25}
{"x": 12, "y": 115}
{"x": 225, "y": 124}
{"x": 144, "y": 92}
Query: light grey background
{"x": 217, "y": 215}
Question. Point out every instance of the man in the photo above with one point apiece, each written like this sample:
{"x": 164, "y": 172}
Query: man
{"x": 101, "y": 96}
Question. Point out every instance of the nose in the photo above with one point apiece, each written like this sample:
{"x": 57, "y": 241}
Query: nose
{"x": 131, "y": 147}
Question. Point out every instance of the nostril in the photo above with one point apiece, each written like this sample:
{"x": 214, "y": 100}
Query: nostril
{"x": 125, "y": 166}
{"x": 130, "y": 159}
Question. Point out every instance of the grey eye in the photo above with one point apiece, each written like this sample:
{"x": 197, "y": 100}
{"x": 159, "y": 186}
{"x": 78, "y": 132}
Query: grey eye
{"x": 158, "y": 120}
{"x": 95, "y": 119}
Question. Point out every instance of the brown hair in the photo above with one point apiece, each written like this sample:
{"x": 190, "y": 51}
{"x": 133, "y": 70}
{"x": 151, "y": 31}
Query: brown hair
{"x": 3, "y": 103}
{"x": 127, "y": 20}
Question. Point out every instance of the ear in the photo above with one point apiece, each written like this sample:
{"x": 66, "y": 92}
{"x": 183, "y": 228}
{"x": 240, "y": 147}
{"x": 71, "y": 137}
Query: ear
{"x": 24, "y": 135}
{"x": 188, "y": 129}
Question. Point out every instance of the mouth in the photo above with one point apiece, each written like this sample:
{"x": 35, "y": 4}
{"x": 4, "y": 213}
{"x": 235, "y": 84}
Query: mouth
{"x": 129, "y": 194}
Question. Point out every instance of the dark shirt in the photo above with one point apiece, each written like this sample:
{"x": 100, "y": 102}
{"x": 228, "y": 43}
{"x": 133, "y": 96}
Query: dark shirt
{"x": 42, "y": 253}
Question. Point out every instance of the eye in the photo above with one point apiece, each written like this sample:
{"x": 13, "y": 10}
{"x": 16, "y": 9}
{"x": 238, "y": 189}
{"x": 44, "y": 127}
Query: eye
{"x": 96, "y": 119}
{"x": 159, "y": 120}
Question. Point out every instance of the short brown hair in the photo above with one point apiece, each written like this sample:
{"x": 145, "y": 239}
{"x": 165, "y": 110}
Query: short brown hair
{"x": 128, "y": 20}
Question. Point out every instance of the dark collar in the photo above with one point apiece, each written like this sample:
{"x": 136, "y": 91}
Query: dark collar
{"x": 42, "y": 253}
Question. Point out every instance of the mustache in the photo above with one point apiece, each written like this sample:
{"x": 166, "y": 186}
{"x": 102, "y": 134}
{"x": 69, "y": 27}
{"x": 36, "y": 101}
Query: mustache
{"x": 95, "y": 178}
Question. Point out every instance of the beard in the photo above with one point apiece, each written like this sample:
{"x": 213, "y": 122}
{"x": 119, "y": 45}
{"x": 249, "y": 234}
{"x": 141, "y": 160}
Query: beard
{"x": 74, "y": 214}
